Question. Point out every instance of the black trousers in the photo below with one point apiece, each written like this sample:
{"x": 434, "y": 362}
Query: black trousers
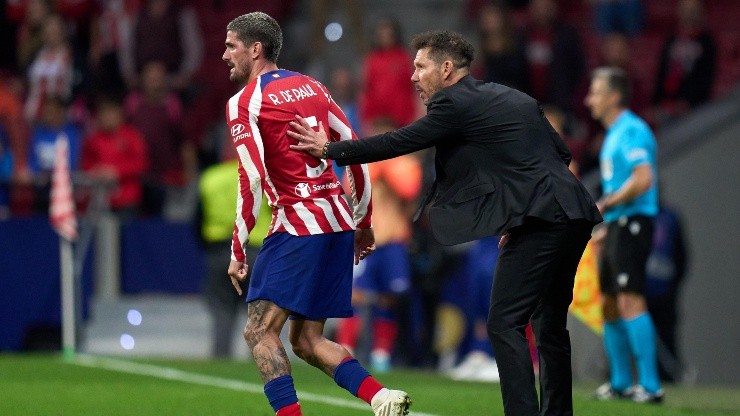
{"x": 534, "y": 281}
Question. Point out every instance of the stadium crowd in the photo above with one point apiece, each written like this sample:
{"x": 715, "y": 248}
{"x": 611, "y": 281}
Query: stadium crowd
{"x": 138, "y": 88}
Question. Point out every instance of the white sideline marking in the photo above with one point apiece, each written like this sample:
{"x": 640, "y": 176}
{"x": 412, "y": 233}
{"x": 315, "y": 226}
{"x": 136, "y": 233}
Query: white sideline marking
{"x": 174, "y": 374}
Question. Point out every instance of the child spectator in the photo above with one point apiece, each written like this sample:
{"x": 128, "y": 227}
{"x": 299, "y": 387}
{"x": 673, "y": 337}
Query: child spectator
{"x": 116, "y": 152}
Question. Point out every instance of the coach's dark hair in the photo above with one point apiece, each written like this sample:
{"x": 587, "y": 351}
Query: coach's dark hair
{"x": 259, "y": 27}
{"x": 446, "y": 45}
{"x": 617, "y": 80}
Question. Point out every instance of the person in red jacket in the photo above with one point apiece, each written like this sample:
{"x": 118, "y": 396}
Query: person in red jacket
{"x": 386, "y": 90}
{"x": 116, "y": 151}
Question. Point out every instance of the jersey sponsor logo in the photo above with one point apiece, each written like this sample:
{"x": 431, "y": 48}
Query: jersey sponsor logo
{"x": 330, "y": 185}
{"x": 238, "y": 133}
{"x": 302, "y": 190}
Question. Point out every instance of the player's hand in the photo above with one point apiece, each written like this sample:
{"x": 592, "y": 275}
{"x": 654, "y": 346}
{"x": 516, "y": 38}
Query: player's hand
{"x": 503, "y": 240}
{"x": 309, "y": 140}
{"x": 364, "y": 243}
{"x": 238, "y": 273}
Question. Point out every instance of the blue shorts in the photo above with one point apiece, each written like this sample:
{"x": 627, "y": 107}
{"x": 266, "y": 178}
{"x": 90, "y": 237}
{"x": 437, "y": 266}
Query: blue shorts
{"x": 387, "y": 270}
{"x": 311, "y": 276}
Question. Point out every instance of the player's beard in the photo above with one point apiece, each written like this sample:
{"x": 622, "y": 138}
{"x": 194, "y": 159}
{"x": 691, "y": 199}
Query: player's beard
{"x": 240, "y": 74}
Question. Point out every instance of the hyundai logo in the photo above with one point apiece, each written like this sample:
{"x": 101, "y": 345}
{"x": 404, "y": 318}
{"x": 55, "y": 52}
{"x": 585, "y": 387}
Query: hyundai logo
{"x": 236, "y": 129}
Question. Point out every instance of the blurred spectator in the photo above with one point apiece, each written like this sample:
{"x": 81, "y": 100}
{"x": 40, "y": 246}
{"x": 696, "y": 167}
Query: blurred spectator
{"x": 479, "y": 363}
{"x": 13, "y": 130}
{"x": 619, "y": 16}
{"x": 53, "y": 122}
{"x": 30, "y": 38}
{"x": 80, "y": 15}
{"x": 687, "y": 64}
{"x": 218, "y": 191}
{"x": 432, "y": 266}
{"x": 502, "y": 58}
{"x": 110, "y": 31}
{"x": 116, "y": 152}
{"x": 156, "y": 111}
{"x": 386, "y": 90}
{"x": 381, "y": 279}
{"x": 42, "y": 153}
{"x": 13, "y": 143}
{"x": 168, "y": 31}
{"x": 554, "y": 54}
{"x": 51, "y": 71}
{"x": 666, "y": 268}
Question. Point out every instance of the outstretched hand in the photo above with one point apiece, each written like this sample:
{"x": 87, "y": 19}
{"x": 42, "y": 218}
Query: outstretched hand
{"x": 309, "y": 140}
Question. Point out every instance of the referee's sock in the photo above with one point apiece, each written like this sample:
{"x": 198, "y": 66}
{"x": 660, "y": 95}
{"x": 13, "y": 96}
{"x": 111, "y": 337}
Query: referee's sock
{"x": 641, "y": 334}
{"x": 616, "y": 344}
{"x": 281, "y": 394}
{"x": 351, "y": 376}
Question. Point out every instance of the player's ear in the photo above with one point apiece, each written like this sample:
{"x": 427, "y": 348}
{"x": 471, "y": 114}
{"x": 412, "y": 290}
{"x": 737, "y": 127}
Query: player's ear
{"x": 256, "y": 49}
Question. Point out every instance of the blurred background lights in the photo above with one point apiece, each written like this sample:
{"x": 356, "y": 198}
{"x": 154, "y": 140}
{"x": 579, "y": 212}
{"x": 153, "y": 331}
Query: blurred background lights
{"x": 333, "y": 32}
{"x": 127, "y": 342}
{"x": 134, "y": 317}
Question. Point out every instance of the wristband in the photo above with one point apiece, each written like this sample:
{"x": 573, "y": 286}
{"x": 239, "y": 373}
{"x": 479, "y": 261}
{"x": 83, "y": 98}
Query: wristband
{"x": 325, "y": 151}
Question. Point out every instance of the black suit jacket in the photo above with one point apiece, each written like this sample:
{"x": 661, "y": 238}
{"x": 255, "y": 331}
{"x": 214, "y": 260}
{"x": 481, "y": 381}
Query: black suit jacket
{"x": 498, "y": 161}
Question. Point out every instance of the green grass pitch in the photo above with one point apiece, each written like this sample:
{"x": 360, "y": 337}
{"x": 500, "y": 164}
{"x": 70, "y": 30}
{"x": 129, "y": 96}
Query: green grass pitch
{"x": 50, "y": 385}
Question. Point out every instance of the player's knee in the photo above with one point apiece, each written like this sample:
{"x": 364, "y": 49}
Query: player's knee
{"x": 302, "y": 348}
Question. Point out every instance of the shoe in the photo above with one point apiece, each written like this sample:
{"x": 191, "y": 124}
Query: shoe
{"x": 487, "y": 373}
{"x": 391, "y": 403}
{"x": 380, "y": 361}
{"x": 606, "y": 392}
{"x": 640, "y": 395}
{"x": 470, "y": 366}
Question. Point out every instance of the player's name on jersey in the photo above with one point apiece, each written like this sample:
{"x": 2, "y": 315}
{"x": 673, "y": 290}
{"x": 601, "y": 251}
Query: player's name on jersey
{"x": 292, "y": 95}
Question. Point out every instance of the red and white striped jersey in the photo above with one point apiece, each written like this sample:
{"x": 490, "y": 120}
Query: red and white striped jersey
{"x": 305, "y": 194}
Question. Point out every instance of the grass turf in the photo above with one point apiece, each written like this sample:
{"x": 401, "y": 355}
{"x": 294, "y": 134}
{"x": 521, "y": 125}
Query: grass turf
{"x": 49, "y": 385}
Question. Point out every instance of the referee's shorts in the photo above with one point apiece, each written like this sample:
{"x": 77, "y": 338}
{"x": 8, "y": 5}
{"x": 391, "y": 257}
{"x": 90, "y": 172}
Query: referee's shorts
{"x": 624, "y": 255}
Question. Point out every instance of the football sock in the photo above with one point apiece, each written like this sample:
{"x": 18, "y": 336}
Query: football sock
{"x": 281, "y": 393}
{"x": 617, "y": 349}
{"x": 290, "y": 410}
{"x": 351, "y": 376}
{"x": 641, "y": 334}
{"x": 385, "y": 329}
{"x": 348, "y": 331}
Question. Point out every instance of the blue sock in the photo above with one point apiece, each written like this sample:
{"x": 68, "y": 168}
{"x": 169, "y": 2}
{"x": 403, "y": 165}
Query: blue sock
{"x": 349, "y": 374}
{"x": 641, "y": 334}
{"x": 616, "y": 344}
{"x": 280, "y": 392}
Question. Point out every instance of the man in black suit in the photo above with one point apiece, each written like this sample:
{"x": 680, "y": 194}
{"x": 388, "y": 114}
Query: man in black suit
{"x": 501, "y": 170}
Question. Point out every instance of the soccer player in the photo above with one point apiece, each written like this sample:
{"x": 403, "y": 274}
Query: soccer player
{"x": 629, "y": 204}
{"x": 303, "y": 271}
